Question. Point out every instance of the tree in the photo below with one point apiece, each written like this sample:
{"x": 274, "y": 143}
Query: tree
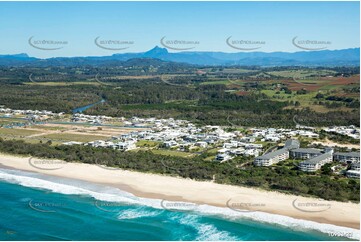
{"x": 326, "y": 169}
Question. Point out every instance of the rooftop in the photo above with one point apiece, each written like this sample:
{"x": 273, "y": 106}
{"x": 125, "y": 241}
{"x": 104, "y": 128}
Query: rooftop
{"x": 272, "y": 154}
{"x": 352, "y": 154}
{"x": 307, "y": 150}
{"x": 318, "y": 158}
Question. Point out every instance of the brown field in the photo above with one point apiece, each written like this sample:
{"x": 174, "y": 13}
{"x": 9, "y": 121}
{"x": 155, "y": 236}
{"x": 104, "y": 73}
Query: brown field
{"x": 322, "y": 83}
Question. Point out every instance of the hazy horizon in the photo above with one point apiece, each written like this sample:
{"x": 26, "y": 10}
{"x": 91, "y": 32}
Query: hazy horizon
{"x": 134, "y": 27}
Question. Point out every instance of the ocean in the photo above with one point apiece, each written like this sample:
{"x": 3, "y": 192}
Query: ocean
{"x": 39, "y": 207}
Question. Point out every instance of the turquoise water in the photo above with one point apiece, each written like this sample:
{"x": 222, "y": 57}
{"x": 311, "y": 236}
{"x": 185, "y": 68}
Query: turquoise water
{"x": 36, "y": 207}
{"x": 83, "y": 108}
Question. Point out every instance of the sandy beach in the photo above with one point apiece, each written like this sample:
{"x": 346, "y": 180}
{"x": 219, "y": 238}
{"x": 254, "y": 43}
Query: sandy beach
{"x": 179, "y": 189}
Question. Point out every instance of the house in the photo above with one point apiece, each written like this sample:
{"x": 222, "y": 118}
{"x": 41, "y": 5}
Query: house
{"x": 353, "y": 174}
{"x": 124, "y": 146}
{"x": 98, "y": 143}
{"x": 304, "y": 153}
{"x": 224, "y": 150}
{"x": 223, "y": 157}
{"x": 184, "y": 146}
{"x": 251, "y": 152}
{"x": 238, "y": 151}
{"x": 170, "y": 144}
{"x": 201, "y": 144}
{"x": 229, "y": 145}
{"x": 248, "y": 139}
{"x": 349, "y": 157}
{"x": 253, "y": 146}
{"x": 315, "y": 163}
{"x": 72, "y": 143}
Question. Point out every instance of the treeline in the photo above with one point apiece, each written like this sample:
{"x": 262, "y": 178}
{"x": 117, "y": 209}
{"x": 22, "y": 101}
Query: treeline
{"x": 272, "y": 178}
{"x": 203, "y": 104}
{"x": 339, "y": 138}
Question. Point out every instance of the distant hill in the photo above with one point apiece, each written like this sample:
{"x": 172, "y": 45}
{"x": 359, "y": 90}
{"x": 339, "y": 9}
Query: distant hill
{"x": 345, "y": 57}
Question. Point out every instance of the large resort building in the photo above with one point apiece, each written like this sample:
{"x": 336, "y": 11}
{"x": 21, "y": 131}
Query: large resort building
{"x": 278, "y": 155}
{"x": 315, "y": 163}
{"x": 314, "y": 158}
{"x": 350, "y": 157}
{"x": 305, "y": 153}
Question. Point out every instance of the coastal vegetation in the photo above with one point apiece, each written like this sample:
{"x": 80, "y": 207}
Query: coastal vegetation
{"x": 283, "y": 177}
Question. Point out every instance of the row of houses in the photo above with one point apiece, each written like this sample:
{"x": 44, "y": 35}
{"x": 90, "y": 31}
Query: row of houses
{"x": 351, "y": 131}
{"x": 123, "y": 146}
{"x": 276, "y": 135}
{"x": 92, "y": 119}
{"x": 33, "y": 115}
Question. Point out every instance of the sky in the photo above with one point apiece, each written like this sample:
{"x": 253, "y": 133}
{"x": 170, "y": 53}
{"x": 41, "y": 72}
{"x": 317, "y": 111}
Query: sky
{"x": 269, "y": 26}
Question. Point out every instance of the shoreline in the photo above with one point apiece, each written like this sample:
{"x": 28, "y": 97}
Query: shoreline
{"x": 169, "y": 188}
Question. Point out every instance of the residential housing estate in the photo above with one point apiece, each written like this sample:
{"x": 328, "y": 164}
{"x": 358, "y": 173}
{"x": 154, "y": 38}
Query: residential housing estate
{"x": 184, "y": 136}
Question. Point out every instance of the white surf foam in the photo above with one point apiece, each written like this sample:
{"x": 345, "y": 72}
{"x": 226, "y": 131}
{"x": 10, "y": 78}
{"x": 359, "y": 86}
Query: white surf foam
{"x": 116, "y": 195}
{"x": 205, "y": 232}
{"x": 138, "y": 213}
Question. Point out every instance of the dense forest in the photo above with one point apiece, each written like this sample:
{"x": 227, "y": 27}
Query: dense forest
{"x": 202, "y": 95}
{"x": 277, "y": 177}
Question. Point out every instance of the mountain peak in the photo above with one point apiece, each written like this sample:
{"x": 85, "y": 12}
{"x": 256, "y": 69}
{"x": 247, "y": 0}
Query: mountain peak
{"x": 156, "y": 51}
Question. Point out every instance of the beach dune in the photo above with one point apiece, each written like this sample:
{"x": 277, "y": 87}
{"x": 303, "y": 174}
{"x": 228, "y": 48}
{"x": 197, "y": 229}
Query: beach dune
{"x": 179, "y": 189}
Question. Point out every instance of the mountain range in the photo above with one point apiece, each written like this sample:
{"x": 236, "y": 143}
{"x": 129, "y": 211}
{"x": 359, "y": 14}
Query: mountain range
{"x": 344, "y": 57}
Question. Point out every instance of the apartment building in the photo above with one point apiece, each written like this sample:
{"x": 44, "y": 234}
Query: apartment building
{"x": 350, "y": 157}
{"x": 278, "y": 155}
{"x": 315, "y": 163}
{"x": 304, "y": 153}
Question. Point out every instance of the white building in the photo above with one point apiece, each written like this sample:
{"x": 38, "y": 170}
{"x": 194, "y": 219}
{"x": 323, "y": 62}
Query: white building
{"x": 350, "y": 157}
{"x": 223, "y": 157}
{"x": 305, "y": 153}
{"x": 272, "y": 158}
{"x": 316, "y": 163}
{"x": 278, "y": 155}
{"x": 353, "y": 174}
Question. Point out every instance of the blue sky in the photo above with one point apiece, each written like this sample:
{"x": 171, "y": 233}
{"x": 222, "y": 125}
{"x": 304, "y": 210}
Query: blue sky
{"x": 145, "y": 23}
